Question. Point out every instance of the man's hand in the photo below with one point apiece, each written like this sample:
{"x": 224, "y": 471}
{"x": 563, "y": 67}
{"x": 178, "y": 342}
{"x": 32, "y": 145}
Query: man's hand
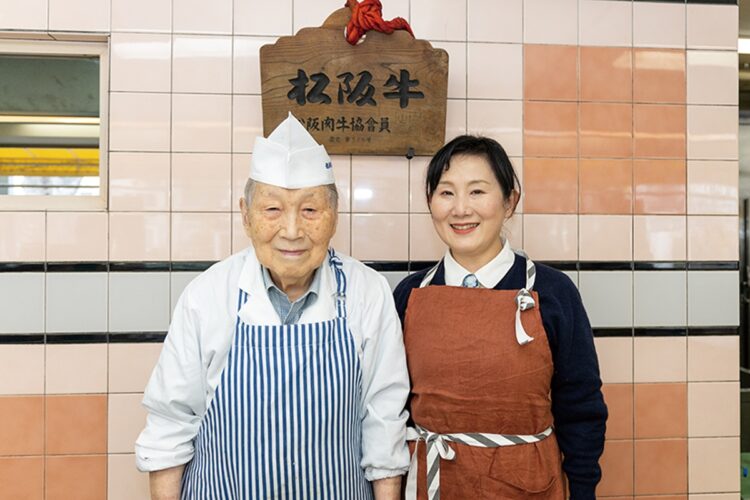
{"x": 387, "y": 489}
{"x": 165, "y": 484}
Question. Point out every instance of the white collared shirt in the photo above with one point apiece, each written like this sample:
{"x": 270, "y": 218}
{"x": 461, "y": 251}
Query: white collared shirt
{"x": 200, "y": 336}
{"x": 488, "y": 275}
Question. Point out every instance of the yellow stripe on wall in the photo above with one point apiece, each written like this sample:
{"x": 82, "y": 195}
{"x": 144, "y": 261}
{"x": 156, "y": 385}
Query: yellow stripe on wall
{"x": 49, "y": 162}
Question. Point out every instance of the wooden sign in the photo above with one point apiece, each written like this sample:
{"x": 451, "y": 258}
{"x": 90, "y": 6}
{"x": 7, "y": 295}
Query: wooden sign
{"x": 386, "y": 95}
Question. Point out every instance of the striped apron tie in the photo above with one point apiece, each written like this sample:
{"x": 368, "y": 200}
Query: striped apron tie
{"x": 439, "y": 449}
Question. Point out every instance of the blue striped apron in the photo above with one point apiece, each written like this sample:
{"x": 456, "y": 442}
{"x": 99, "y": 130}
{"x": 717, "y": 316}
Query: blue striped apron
{"x": 285, "y": 420}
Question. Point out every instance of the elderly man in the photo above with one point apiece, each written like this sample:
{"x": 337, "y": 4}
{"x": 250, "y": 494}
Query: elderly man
{"x": 283, "y": 374}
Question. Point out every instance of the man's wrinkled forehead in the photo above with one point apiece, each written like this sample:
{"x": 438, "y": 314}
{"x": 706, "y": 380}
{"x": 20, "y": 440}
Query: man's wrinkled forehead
{"x": 269, "y": 191}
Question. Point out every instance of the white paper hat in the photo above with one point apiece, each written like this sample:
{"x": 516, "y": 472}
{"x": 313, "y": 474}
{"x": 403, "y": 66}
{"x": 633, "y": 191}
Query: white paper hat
{"x": 290, "y": 158}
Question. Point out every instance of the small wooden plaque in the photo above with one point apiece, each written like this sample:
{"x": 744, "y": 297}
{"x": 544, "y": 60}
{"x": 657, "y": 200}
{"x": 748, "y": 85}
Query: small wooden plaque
{"x": 385, "y": 96}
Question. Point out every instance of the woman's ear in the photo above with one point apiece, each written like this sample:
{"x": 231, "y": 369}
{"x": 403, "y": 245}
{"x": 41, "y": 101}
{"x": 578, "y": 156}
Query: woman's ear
{"x": 511, "y": 203}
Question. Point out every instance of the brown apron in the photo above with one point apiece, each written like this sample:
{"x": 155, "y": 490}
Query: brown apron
{"x": 470, "y": 375}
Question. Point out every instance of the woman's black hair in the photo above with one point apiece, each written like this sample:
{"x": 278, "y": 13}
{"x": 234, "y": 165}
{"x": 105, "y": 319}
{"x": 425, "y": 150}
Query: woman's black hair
{"x": 471, "y": 145}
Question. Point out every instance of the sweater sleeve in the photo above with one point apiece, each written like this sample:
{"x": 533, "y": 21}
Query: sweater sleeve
{"x": 578, "y": 407}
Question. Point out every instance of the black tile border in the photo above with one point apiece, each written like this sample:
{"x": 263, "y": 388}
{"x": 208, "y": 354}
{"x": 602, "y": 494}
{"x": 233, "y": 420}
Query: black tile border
{"x": 116, "y": 267}
{"x": 383, "y": 266}
{"x": 714, "y": 2}
{"x": 22, "y": 338}
{"x": 697, "y": 331}
{"x": 77, "y": 338}
{"x": 158, "y": 337}
{"x": 136, "y": 337}
{"x": 22, "y": 267}
{"x": 77, "y": 267}
{"x": 660, "y": 266}
{"x": 612, "y": 332}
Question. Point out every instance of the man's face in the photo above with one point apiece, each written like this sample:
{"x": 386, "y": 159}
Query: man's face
{"x": 290, "y": 229}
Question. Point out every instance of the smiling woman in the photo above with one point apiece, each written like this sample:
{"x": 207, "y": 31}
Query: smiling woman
{"x": 492, "y": 340}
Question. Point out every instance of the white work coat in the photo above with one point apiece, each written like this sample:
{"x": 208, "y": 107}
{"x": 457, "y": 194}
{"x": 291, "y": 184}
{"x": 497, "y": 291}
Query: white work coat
{"x": 196, "y": 349}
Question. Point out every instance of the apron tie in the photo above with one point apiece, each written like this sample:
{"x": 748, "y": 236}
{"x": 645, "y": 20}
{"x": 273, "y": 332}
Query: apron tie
{"x": 439, "y": 449}
{"x": 524, "y": 301}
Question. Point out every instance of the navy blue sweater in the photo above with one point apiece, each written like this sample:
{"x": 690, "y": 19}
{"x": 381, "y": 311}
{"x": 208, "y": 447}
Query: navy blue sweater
{"x": 578, "y": 407}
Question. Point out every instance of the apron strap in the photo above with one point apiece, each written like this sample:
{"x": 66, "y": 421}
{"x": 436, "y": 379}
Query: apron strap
{"x": 438, "y": 449}
{"x": 524, "y": 300}
{"x": 336, "y": 265}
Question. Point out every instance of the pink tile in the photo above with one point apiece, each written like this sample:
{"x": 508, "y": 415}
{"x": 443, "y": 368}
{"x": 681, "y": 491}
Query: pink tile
{"x": 240, "y": 173}
{"x": 439, "y": 19}
{"x": 660, "y": 359}
{"x": 196, "y": 16}
{"x": 713, "y": 464}
{"x": 130, "y": 366}
{"x": 380, "y": 236}
{"x": 380, "y": 184}
{"x": 712, "y": 77}
{"x": 551, "y": 237}
{"x": 276, "y": 18}
{"x": 704, "y": 398}
{"x": 342, "y": 240}
{"x": 240, "y": 241}
{"x": 513, "y": 231}
{"x": 658, "y": 24}
{"x": 201, "y": 182}
{"x": 455, "y": 118}
{"x": 76, "y": 369}
{"x": 495, "y": 21}
{"x": 500, "y": 120}
{"x": 550, "y": 22}
{"x": 202, "y": 123}
{"x": 202, "y": 64}
{"x": 28, "y": 241}
{"x": 126, "y": 419}
{"x": 713, "y": 237}
{"x": 342, "y": 170}
{"x": 417, "y": 176}
{"x": 713, "y": 358}
{"x": 712, "y": 26}
{"x": 605, "y": 237}
{"x": 246, "y": 57}
{"x": 309, "y": 14}
{"x": 456, "y": 68}
{"x": 65, "y": 15}
{"x": 140, "y": 62}
{"x": 124, "y": 481}
{"x": 142, "y": 15}
{"x": 712, "y": 187}
{"x": 712, "y": 132}
{"x": 605, "y": 23}
{"x": 139, "y": 181}
{"x": 424, "y": 243}
{"x": 139, "y": 122}
{"x": 247, "y": 123}
{"x": 77, "y": 236}
{"x": 138, "y": 236}
{"x": 659, "y": 237}
{"x": 24, "y": 14}
{"x": 26, "y": 363}
{"x": 615, "y": 359}
{"x": 201, "y": 236}
{"x": 502, "y": 78}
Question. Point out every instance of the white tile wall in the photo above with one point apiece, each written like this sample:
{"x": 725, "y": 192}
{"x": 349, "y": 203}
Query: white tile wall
{"x": 660, "y": 298}
{"x": 22, "y": 302}
{"x": 608, "y": 297}
{"x": 76, "y": 302}
{"x": 139, "y": 302}
{"x": 713, "y": 298}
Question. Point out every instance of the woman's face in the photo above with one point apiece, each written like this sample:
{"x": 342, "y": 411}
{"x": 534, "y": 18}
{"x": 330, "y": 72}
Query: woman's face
{"x": 468, "y": 210}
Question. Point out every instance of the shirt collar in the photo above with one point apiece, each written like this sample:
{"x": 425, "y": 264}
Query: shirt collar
{"x": 314, "y": 285}
{"x": 488, "y": 275}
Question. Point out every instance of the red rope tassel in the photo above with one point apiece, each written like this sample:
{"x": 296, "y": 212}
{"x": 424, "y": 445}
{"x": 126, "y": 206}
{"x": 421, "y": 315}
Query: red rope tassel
{"x": 368, "y": 15}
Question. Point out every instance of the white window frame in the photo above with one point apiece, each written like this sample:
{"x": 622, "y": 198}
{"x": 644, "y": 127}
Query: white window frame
{"x": 96, "y": 48}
